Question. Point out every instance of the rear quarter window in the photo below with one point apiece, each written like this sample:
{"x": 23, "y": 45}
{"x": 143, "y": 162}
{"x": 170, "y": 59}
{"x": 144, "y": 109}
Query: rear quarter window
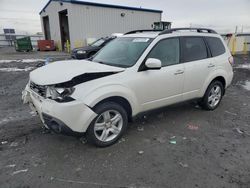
{"x": 216, "y": 46}
{"x": 193, "y": 49}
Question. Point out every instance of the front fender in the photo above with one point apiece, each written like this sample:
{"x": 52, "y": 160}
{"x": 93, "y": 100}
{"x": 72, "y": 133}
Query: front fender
{"x": 104, "y": 92}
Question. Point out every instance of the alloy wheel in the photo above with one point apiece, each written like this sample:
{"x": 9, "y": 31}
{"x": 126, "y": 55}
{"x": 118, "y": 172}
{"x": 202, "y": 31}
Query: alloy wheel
{"x": 108, "y": 125}
{"x": 214, "y": 96}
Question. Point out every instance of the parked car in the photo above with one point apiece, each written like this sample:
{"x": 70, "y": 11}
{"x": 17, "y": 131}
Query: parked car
{"x": 134, "y": 73}
{"x": 90, "y": 50}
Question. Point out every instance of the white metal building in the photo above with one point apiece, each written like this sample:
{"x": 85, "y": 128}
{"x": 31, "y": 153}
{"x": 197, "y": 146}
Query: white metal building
{"x": 78, "y": 21}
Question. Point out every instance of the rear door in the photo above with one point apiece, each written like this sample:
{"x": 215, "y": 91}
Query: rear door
{"x": 198, "y": 65}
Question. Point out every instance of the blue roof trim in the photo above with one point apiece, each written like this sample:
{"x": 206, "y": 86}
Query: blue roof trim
{"x": 102, "y": 5}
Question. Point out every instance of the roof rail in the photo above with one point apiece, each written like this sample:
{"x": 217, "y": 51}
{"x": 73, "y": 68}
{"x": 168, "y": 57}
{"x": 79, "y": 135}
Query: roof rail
{"x": 199, "y": 30}
{"x": 143, "y": 30}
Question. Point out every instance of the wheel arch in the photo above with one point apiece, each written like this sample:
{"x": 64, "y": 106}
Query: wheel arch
{"x": 119, "y": 100}
{"x": 220, "y": 76}
{"x": 115, "y": 93}
{"x": 220, "y": 79}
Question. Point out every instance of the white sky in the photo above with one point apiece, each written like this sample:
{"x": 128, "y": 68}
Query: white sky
{"x": 221, "y": 15}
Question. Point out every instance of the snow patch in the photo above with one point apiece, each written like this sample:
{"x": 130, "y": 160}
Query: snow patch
{"x": 22, "y": 60}
{"x": 5, "y": 120}
{"x": 10, "y": 166}
{"x": 32, "y": 60}
{"x": 15, "y": 69}
{"x": 7, "y": 61}
{"x": 247, "y": 85}
{"x": 245, "y": 66}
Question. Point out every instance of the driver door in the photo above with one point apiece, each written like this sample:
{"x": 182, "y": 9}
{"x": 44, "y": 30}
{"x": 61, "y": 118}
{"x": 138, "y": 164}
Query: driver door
{"x": 158, "y": 88}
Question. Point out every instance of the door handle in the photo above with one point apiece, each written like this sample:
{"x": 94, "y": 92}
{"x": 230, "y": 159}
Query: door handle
{"x": 211, "y": 65}
{"x": 179, "y": 72}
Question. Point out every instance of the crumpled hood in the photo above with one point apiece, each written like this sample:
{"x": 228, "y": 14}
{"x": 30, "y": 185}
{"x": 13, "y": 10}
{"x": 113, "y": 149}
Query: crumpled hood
{"x": 64, "y": 71}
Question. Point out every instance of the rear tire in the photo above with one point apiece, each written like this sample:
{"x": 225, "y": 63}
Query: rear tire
{"x": 213, "y": 96}
{"x": 109, "y": 125}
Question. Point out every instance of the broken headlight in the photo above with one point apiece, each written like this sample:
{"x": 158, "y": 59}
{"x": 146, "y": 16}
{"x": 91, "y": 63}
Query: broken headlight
{"x": 60, "y": 94}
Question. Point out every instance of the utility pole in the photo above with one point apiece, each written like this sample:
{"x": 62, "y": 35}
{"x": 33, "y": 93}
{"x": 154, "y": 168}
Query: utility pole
{"x": 236, "y": 29}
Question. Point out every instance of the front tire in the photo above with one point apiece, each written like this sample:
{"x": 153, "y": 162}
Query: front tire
{"x": 109, "y": 125}
{"x": 213, "y": 96}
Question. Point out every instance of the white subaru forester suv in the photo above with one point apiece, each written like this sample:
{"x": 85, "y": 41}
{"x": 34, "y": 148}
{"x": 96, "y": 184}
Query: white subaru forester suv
{"x": 137, "y": 72}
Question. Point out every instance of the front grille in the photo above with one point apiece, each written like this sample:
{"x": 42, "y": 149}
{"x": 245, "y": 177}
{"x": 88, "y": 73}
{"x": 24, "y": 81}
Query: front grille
{"x": 40, "y": 90}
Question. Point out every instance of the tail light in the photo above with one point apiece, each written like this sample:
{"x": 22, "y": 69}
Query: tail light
{"x": 231, "y": 60}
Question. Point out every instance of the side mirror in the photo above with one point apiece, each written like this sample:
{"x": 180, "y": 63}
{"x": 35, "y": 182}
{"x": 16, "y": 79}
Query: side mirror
{"x": 153, "y": 63}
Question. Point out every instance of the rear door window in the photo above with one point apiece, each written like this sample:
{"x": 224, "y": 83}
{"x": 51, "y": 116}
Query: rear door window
{"x": 193, "y": 49}
{"x": 216, "y": 46}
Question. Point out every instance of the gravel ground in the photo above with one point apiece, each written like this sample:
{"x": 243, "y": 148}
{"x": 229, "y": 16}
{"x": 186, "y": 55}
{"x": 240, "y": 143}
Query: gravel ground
{"x": 178, "y": 146}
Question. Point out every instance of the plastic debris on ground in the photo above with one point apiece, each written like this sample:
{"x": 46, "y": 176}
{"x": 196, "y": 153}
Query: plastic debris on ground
{"x": 193, "y": 127}
{"x": 140, "y": 128}
{"x": 231, "y": 113}
{"x": 4, "y": 142}
{"x": 140, "y": 152}
{"x": 78, "y": 169}
{"x": 19, "y": 171}
{"x": 25, "y": 140}
{"x": 121, "y": 140}
{"x": 161, "y": 140}
{"x": 239, "y": 131}
{"x": 33, "y": 113}
{"x": 184, "y": 138}
{"x": 193, "y": 139}
{"x": 14, "y": 144}
{"x": 197, "y": 106}
{"x": 184, "y": 165}
{"x": 172, "y": 141}
{"x": 83, "y": 140}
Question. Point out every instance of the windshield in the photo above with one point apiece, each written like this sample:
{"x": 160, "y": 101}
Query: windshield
{"x": 98, "y": 43}
{"x": 122, "y": 52}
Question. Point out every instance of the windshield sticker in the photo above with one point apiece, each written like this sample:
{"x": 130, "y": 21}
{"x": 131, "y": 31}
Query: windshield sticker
{"x": 141, "y": 40}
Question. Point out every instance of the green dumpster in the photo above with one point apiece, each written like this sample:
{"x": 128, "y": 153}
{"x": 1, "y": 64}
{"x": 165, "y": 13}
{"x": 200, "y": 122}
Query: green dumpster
{"x": 23, "y": 44}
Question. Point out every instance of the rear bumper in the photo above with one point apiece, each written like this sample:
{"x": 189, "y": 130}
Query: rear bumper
{"x": 74, "y": 116}
{"x": 229, "y": 79}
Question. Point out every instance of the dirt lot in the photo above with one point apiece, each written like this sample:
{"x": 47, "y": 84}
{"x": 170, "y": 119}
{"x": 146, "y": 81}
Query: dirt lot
{"x": 180, "y": 146}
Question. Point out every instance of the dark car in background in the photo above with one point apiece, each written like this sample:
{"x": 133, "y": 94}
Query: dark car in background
{"x": 90, "y": 50}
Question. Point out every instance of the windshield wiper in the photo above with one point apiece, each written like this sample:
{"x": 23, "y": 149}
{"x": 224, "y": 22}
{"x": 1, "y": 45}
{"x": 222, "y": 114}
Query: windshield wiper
{"x": 101, "y": 62}
{"x": 113, "y": 65}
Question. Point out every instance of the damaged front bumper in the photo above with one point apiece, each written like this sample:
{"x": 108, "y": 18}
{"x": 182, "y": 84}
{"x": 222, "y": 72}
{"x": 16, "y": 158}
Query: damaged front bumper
{"x": 72, "y": 116}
